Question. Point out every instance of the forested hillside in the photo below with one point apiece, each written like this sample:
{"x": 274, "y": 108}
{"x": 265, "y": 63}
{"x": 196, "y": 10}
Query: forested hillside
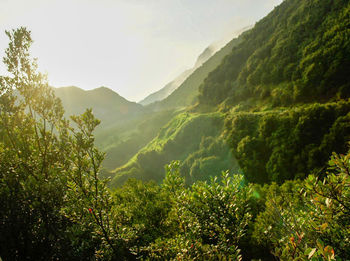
{"x": 276, "y": 129}
{"x": 285, "y": 90}
{"x": 298, "y": 53}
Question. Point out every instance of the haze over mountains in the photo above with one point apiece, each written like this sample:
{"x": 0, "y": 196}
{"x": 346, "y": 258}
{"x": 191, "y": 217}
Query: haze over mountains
{"x": 231, "y": 78}
{"x": 107, "y": 102}
{"x": 236, "y": 79}
{"x": 167, "y": 89}
{"x": 202, "y": 58}
{"x": 107, "y": 105}
{"x": 126, "y": 126}
{"x": 173, "y": 85}
{"x": 101, "y": 99}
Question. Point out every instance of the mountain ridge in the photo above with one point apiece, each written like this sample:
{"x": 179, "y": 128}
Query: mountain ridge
{"x": 186, "y": 94}
{"x": 107, "y": 105}
{"x": 169, "y": 88}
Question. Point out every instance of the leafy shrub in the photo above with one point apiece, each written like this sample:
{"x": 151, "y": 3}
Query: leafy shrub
{"x": 309, "y": 220}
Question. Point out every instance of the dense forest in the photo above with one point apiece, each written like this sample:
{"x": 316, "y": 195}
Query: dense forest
{"x": 249, "y": 159}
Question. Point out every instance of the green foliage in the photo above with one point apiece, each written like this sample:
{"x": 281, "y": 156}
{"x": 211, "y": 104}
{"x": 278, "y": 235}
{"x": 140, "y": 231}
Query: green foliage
{"x": 181, "y": 139}
{"x": 278, "y": 145}
{"x": 212, "y": 157}
{"x": 211, "y": 218}
{"x": 141, "y": 210}
{"x": 298, "y": 53}
{"x": 309, "y": 220}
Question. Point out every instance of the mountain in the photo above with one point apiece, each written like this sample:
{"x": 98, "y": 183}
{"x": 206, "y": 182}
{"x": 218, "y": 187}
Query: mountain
{"x": 188, "y": 90}
{"x": 107, "y": 105}
{"x": 194, "y": 139}
{"x": 186, "y": 94}
{"x": 173, "y": 85}
{"x": 204, "y": 56}
{"x": 167, "y": 89}
{"x": 285, "y": 90}
{"x": 298, "y": 53}
{"x": 122, "y": 142}
{"x": 282, "y": 90}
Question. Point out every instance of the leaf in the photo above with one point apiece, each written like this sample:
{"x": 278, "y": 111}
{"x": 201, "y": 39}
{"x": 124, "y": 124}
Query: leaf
{"x": 320, "y": 243}
{"x": 312, "y": 252}
{"x": 324, "y": 226}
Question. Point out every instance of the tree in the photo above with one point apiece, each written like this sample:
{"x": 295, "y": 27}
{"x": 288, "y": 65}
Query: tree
{"x": 53, "y": 204}
{"x": 211, "y": 218}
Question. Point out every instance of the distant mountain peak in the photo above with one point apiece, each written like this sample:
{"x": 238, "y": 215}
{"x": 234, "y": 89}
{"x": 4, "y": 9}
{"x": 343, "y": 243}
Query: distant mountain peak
{"x": 173, "y": 85}
{"x": 107, "y": 105}
{"x": 204, "y": 56}
{"x": 222, "y": 47}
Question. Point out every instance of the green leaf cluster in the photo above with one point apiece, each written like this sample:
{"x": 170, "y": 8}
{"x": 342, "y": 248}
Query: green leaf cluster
{"x": 283, "y": 144}
{"x": 309, "y": 220}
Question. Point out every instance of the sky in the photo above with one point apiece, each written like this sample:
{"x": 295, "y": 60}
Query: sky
{"x": 134, "y": 47}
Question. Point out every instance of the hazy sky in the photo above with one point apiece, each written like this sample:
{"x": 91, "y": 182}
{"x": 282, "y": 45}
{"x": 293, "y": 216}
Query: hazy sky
{"x": 134, "y": 47}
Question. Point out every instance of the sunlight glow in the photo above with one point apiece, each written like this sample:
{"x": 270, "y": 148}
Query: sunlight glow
{"x": 133, "y": 47}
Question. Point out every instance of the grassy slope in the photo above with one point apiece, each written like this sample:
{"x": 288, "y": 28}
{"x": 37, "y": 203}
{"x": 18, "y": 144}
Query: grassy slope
{"x": 187, "y": 137}
{"x": 122, "y": 143}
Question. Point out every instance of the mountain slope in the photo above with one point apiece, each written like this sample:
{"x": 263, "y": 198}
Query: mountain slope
{"x": 107, "y": 105}
{"x": 298, "y": 53}
{"x": 122, "y": 142}
{"x": 285, "y": 90}
{"x": 193, "y": 139}
{"x": 173, "y": 85}
{"x": 187, "y": 92}
{"x": 167, "y": 89}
